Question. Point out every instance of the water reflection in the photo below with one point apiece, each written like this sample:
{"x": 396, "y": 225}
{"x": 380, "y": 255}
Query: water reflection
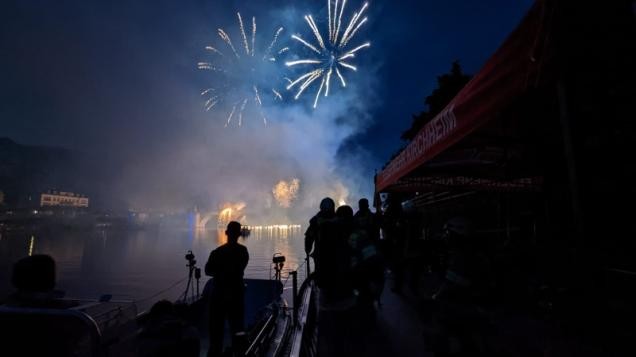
{"x": 31, "y": 245}
{"x": 135, "y": 264}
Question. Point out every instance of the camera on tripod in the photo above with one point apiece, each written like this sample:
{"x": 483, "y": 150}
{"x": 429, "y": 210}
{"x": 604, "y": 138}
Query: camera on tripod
{"x": 192, "y": 270}
{"x": 190, "y": 258}
{"x": 277, "y": 259}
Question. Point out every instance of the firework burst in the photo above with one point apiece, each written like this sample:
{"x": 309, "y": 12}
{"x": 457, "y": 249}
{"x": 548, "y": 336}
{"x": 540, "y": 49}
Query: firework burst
{"x": 332, "y": 53}
{"x": 286, "y": 192}
{"x": 246, "y": 75}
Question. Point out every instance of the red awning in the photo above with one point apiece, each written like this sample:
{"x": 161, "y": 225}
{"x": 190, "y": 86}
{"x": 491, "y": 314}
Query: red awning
{"x": 515, "y": 67}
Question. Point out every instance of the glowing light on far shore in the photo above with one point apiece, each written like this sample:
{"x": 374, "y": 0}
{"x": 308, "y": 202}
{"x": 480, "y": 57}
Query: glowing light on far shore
{"x": 330, "y": 51}
{"x": 274, "y": 226}
{"x": 231, "y": 212}
{"x": 286, "y": 192}
{"x": 31, "y": 243}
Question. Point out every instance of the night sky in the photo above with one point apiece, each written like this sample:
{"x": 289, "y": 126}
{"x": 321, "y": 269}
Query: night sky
{"x": 121, "y": 77}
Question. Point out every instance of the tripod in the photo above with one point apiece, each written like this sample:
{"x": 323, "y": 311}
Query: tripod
{"x": 192, "y": 271}
{"x": 279, "y": 261}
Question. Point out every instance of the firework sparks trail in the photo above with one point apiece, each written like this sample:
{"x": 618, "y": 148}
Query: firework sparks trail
{"x": 210, "y": 48}
{"x": 247, "y": 47}
{"x": 244, "y": 75}
{"x": 240, "y": 123}
{"x": 322, "y": 84}
{"x": 227, "y": 40}
{"x": 229, "y": 118}
{"x": 253, "y": 34}
{"x": 269, "y": 49}
{"x": 257, "y": 97}
{"x": 331, "y": 55}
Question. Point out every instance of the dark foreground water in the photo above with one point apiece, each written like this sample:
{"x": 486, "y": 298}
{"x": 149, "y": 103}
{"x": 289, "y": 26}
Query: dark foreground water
{"x": 142, "y": 265}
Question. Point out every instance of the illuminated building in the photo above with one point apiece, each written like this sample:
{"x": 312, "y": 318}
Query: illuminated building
{"x": 66, "y": 199}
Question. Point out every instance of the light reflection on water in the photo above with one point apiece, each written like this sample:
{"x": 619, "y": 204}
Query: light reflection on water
{"x": 134, "y": 265}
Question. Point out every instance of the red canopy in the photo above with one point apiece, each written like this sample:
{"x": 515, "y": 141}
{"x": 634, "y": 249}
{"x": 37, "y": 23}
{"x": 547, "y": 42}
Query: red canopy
{"x": 509, "y": 72}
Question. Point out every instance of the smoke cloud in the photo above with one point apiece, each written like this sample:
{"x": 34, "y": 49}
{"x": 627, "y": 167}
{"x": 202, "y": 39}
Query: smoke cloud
{"x": 207, "y": 164}
{"x": 121, "y": 86}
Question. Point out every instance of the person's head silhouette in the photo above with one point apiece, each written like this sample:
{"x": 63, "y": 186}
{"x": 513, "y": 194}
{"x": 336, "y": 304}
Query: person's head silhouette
{"x": 233, "y": 231}
{"x": 34, "y": 273}
{"x": 327, "y": 205}
{"x": 363, "y": 204}
{"x": 344, "y": 212}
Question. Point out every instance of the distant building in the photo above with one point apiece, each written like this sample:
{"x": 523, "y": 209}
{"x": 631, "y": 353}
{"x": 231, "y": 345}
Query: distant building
{"x": 66, "y": 199}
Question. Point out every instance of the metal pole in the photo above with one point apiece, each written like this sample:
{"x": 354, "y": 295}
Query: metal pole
{"x": 568, "y": 149}
{"x": 197, "y": 275}
{"x": 294, "y": 275}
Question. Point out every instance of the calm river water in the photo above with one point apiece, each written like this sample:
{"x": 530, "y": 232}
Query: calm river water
{"x": 137, "y": 265}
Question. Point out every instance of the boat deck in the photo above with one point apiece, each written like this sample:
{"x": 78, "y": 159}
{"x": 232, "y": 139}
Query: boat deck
{"x": 396, "y": 329}
{"x": 258, "y": 294}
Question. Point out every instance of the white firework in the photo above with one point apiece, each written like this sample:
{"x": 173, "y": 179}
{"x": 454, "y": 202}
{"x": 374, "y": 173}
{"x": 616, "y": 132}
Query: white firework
{"x": 246, "y": 75}
{"x": 331, "y": 50}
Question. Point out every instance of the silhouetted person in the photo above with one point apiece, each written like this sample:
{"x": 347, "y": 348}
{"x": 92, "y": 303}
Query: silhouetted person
{"x": 166, "y": 333}
{"x": 34, "y": 278}
{"x": 317, "y": 229}
{"x": 367, "y": 264}
{"x": 226, "y": 265}
{"x": 337, "y": 321}
{"x": 337, "y": 256}
{"x": 367, "y": 220}
{"x": 29, "y": 333}
{"x": 371, "y": 269}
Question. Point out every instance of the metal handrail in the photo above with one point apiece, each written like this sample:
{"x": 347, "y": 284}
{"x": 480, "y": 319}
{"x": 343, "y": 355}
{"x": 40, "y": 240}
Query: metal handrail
{"x": 260, "y": 334}
{"x": 300, "y": 324}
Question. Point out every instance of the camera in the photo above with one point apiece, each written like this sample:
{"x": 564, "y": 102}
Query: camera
{"x": 277, "y": 259}
{"x": 190, "y": 257}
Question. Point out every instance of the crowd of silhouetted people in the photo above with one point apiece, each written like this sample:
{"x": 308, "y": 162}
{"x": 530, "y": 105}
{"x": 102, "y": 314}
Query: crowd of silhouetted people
{"x": 355, "y": 253}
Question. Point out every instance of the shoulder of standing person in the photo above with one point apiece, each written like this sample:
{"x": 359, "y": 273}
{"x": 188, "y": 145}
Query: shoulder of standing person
{"x": 210, "y": 264}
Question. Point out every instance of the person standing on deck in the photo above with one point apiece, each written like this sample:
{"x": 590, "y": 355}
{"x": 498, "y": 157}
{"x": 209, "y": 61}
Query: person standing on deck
{"x": 367, "y": 262}
{"x": 226, "y": 265}
{"x": 317, "y": 229}
{"x": 338, "y": 332}
{"x": 367, "y": 220}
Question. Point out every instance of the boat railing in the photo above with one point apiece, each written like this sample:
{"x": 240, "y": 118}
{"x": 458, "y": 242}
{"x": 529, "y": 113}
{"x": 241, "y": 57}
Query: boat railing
{"x": 261, "y": 336}
{"x": 303, "y": 339}
{"x": 111, "y": 317}
{"x": 48, "y": 332}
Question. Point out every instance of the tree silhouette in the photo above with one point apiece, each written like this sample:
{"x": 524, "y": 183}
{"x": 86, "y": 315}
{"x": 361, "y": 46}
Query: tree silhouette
{"x": 448, "y": 85}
